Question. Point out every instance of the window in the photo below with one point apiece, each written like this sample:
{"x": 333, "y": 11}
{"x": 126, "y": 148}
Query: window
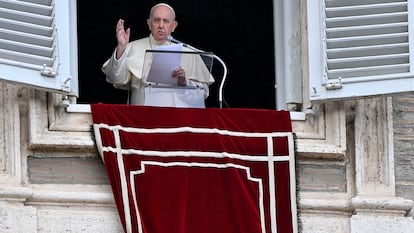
{"x": 230, "y": 29}
{"x": 359, "y": 48}
{"x": 38, "y": 44}
{"x": 355, "y": 49}
{"x": 250, "y": 81}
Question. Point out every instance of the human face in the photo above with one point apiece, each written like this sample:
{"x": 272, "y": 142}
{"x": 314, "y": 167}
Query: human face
{"x": 161, "y": 23}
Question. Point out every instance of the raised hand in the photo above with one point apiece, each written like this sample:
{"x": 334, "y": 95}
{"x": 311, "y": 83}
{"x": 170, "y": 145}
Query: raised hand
{"x": 122, "y": 37}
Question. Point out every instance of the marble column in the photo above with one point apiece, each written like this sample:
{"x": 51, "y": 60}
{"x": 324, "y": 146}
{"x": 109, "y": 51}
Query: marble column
{"x": 376, "y": 208}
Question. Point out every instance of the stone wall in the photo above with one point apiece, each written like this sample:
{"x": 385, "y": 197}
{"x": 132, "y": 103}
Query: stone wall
{"x": 404, "y": 145}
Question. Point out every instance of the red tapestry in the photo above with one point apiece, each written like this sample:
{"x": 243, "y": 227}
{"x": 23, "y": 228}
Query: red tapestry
{"x": 184, "y": 170}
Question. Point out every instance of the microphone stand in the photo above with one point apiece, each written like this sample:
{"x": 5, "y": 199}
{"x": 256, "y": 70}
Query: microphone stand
{"x": 223, "y": 79}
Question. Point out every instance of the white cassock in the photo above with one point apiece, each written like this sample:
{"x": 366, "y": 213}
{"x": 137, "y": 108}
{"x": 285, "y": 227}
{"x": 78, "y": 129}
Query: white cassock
{"x": 130, "y": 72}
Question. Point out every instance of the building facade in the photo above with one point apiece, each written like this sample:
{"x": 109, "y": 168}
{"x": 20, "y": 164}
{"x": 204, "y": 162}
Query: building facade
{"x": 354, "y": 165}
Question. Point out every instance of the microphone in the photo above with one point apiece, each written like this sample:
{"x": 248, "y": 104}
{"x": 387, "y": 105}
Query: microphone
{"x": 171, "y": 39}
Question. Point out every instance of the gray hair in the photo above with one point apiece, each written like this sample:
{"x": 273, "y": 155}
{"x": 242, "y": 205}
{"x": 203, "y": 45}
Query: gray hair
{"x": 162, "y": 4}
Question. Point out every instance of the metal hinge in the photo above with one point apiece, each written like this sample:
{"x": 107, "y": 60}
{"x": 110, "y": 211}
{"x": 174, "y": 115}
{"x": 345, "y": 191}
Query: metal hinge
{"x": 48, "y": 71}
{"x": 334, "y": 84}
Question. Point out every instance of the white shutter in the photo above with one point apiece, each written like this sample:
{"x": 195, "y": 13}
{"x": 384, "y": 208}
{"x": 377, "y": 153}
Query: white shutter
{"x": 359, "y": 48}
{"x": 38, "y": 44}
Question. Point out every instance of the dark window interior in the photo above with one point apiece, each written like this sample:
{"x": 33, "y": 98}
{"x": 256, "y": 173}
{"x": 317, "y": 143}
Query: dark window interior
{"x": 239, "y": 32}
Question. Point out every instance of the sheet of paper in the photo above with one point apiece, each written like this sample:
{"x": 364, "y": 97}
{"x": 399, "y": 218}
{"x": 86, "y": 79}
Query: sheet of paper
{"x": 164, "y": 63}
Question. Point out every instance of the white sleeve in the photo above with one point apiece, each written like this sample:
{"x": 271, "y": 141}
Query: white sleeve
{"x": 115, "y": 70}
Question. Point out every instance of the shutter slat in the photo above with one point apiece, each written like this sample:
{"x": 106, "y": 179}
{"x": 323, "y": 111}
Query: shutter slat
{"x": 350, "y": 21}
{"x": 27, "y": 38}
{"x": 19, "y": 26}
{"x": 354, "y": 10}
{"x": 367, "y": 30}
{"x": 368, "y": 40}
{"x": 367, "y": 61}
{"x": 373, "y": 50}
{"x": 342, "y": 3}
{"x": 26, "y": 48}
{"x": 26, "y": 58}
{"x": 37, "y": 2}
{"x": 368, "y": 71}
{"x": 35, "y": 7}
{"x": 44, "y": 20}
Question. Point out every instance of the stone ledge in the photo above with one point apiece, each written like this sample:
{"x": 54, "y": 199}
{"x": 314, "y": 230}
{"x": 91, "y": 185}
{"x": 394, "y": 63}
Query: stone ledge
{"x": 393, "y": 206}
